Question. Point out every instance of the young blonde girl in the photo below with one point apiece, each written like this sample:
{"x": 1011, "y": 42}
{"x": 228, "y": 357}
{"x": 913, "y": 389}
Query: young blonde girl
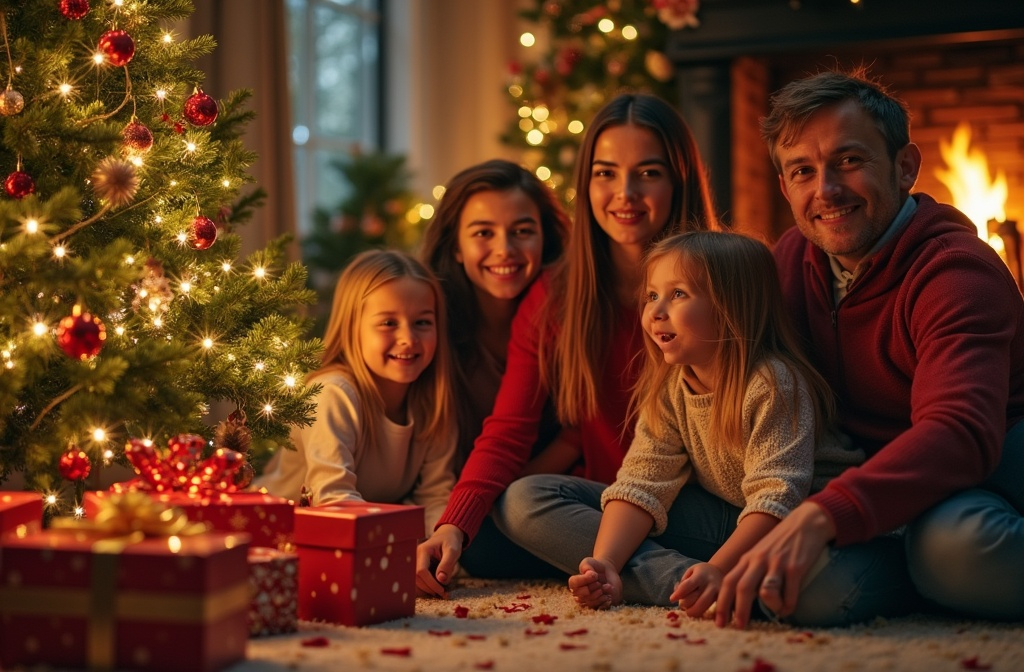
{"x": 383, "y": 429}
{"x": 730, "y": 433}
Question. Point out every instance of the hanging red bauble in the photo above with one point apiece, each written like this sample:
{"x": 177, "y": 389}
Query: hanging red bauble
{"x": 74, "y": 464}
{"x": 117, "y": 46}
{"x": 200, "y": 109}
{"x": 74, "y": 9}
{"x": 80, "y": 335}
{"x": 19, "y": 185}
{"x": 137, "y": 138}
{"x": 202, "y": 232}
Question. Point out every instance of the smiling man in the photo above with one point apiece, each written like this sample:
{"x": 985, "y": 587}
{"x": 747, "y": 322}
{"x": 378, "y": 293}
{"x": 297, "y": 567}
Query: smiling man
{"x": 919, "y": 328}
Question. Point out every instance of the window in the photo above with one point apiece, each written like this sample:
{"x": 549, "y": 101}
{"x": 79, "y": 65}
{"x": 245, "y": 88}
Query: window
{"x": 335, "y": 75}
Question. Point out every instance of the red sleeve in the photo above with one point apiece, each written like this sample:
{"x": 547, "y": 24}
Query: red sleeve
{"x": 503, "y": 448}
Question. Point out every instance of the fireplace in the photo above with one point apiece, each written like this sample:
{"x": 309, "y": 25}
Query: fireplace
{"x": 949, "y": 67}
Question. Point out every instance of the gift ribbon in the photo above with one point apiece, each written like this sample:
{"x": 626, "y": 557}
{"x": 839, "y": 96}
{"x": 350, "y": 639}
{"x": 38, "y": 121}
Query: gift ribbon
{"x": 122, "y": 520}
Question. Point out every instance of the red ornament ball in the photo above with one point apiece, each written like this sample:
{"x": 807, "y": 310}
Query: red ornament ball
{"x": 202, "y": 232}
{"x": 19, "y": 185}
{"x": 74, "y": 464}
{"x": 200, "y": 109}
{"x": 137, "y": 138}
{"x": 117, "y": 46}
{"x": 74, "y": 9}
{"x": 80, "y": 335}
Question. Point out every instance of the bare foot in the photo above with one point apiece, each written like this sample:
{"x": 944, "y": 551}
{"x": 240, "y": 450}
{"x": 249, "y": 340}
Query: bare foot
{"x": 597, "y": 586}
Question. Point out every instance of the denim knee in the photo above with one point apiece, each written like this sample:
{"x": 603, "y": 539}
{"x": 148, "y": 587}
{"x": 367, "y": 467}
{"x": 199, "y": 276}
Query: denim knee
{"x": 860, "y": 582}
{"x": 965, "y": 554}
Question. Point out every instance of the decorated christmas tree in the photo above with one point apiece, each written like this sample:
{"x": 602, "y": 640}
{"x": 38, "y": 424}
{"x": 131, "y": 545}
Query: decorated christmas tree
{"x": 592, "y": 50}
{"x": 125, "y": 310}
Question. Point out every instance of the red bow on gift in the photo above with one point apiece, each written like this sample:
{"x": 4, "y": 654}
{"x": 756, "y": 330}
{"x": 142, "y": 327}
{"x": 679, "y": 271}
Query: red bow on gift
{"x": 182, "y": 467}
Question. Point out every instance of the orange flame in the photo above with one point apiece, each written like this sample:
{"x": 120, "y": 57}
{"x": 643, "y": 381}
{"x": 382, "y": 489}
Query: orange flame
{"x": 967, "y": 179}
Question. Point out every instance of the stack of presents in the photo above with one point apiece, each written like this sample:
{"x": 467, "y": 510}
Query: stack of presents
{"x": 179, "y": 580}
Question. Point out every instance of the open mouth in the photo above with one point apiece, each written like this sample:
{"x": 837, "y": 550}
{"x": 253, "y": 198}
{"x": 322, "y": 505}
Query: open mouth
{"x": 664, "y": 338}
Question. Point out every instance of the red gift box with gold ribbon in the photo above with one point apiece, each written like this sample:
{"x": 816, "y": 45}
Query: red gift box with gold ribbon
{"x": 357, "y": 562}
{"x": 266, "y": 519}
{"x": 82, "y": 596}
{"x": 20, "y": 512}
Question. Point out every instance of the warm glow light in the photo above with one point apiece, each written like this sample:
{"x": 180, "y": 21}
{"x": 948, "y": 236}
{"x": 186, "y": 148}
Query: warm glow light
{"x": 289, "y": 381}
{"x": 64, "y": 89}
{"x": 226, "y": 182}
{"x": 161, "y": 94}
{"x": 185, "y": 286}
{"x": 119, "y": 330}
{"x": 129, "y": 260}
{"x": 182, "y": 237}
{"x": 543, "y": 172}
{"x": 226, "y": 266}
{"x": 208, "y": 343}
{"x": 158, "y": 322}
{"x": 79, "y": 512}
{"x": 99, "y": 434}
{"x": 268, "y": 409}
{"x": 51, "y": 499}
{"x": 97, "y": 59}
{"x": 259, "y": 366}
{"x": 526, "y": 125}
{"x": 535, "y": 137}
{"x": 167, "y": 38}
{"x": 967, "y": 179}
{"x": 527, "y": 39}
{"x": 32, "y": 226}
{"x": 136, "y": 161}
{"x": 438, "y": 192}
{"x": 525, "y": 111}
{"x": 629, "y": 32}
{"x": 540, "y": 113}
{"x": 191, "y": 147}
{"x": 606, "y": 25}
{"x": 259, "y": 272}
{"x": 575, "y": 126}
{"x": 40, "y": 329}
{"x": 173, "y": 183}
{"x": 426, "y": 211}
{"x": 515, "y": 90}
{"x": 108, "y": 454}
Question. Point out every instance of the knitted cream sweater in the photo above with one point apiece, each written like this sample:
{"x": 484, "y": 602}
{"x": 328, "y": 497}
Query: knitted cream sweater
{"x": 772, "y": 472}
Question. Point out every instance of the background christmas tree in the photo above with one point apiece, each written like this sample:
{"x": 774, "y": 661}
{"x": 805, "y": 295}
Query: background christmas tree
{"x": 591, "y": 51}
{"x": 124, "y": 310}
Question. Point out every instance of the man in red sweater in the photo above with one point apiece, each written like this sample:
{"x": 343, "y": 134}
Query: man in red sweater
{"x": 919, "y": 328}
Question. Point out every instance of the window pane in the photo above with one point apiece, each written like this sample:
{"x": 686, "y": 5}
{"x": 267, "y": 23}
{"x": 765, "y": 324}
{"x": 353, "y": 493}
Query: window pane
{"x": 345, "y": 62}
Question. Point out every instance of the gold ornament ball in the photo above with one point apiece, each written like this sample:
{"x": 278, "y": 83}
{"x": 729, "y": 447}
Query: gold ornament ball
{"x": 11, "y": 102}
{"x": 115, "y": 181}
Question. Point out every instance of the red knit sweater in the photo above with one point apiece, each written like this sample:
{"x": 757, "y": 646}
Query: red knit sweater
{"x": 508, "y": 436}
{"x": 926, "y": 356}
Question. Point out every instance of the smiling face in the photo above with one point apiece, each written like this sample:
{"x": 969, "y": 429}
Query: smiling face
{"x": 679, "y": 317}
{"x": 398, "y": 334}
{"x": 840, "y": 182}
{"x": 500, "y": 242}
{"x": 630, "y": 188}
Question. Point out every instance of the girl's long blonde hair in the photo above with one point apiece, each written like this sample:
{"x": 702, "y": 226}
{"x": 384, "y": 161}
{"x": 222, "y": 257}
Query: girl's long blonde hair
{"x": 738, "y": 275}
{"x": 429, "y": 396}
{"x": 582, "y": 300}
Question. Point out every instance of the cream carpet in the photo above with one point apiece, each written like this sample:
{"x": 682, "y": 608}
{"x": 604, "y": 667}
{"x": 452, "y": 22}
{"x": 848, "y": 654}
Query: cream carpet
{"x": 536, "y": 627}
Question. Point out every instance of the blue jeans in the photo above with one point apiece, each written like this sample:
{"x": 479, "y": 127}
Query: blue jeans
{"x": 967, "y": 552}
{"x": 557, "y": 517}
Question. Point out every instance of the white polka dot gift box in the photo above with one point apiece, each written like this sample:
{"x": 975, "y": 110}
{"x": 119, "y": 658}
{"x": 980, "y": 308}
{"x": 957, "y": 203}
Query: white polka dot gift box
{"x": 357, "y": 562}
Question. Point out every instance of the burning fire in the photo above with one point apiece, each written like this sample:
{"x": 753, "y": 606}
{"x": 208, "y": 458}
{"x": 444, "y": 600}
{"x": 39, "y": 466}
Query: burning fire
{"x": 967, "y": 178}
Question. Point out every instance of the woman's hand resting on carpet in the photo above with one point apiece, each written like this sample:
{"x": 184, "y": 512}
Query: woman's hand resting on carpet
{"x": 442, "y": 549}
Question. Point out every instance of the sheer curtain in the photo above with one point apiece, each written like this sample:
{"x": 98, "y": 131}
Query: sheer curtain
{"x": 252, "y": 53}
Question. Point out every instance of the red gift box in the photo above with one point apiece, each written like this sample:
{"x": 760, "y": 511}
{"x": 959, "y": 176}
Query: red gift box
{"x": 266, "y": 519}
{"x": 273, "y": 575}
{"x": 78, "y": 599}
{"x": 357, "y": 562}
{"x": 20, "y": 513}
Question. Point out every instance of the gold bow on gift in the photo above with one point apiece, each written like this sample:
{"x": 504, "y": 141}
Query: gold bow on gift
{"x": 134, "y": 513}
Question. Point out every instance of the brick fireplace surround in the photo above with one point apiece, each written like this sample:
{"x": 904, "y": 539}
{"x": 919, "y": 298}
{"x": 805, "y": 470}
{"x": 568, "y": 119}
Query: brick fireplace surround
{"x": 947, "y": 66}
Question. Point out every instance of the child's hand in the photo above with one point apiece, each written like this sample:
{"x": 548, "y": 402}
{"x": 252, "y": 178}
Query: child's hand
{"x": 597, "y": 586}
{"x": 435, "y": 561}
{"x": 697, "y": 591}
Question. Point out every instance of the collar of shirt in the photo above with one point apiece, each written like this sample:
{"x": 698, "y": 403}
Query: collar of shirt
{"x": 844, "y": 278}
